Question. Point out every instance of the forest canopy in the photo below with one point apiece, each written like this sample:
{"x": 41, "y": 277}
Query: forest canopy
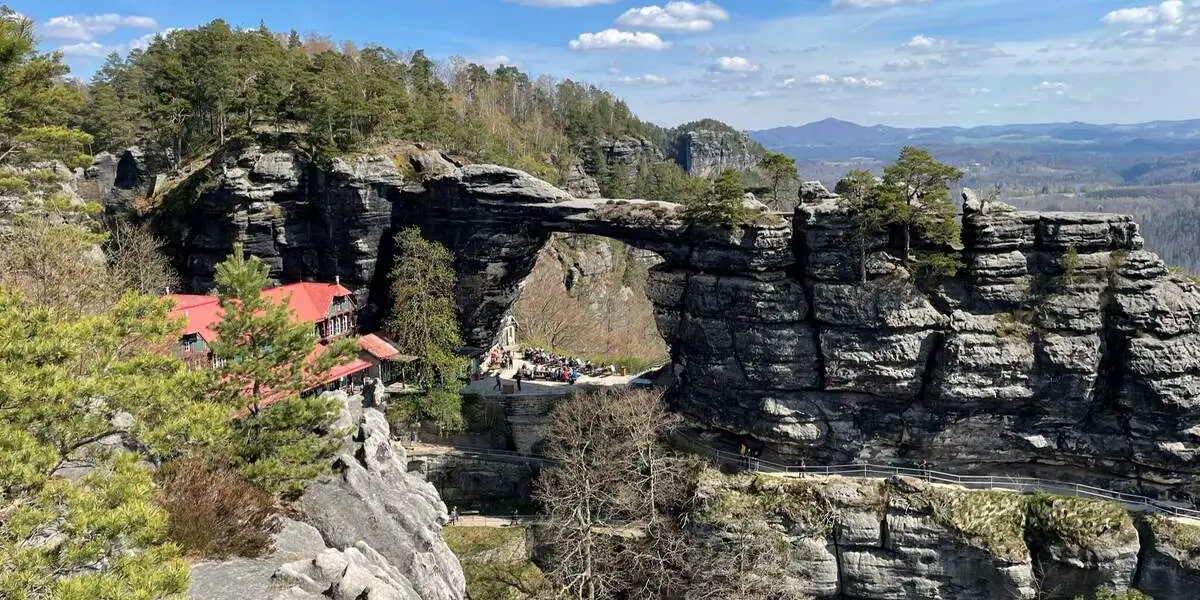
{"x": 195, "y": 88}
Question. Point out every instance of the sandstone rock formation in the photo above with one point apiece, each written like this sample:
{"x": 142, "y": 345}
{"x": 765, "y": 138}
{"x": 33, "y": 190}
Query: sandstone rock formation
{"x": 629, "y": 151}
{"x": 1063, "y": 349}
{"x": 905, "y": 539}
{"x": 373, "y": 532}
{"x": 705, "y": 153}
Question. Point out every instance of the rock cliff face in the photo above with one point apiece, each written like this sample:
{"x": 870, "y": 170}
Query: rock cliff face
{"x": 373, "y": 532}
{"x": 905, "y": 539}
{"x": 705, "y": 153}
{"x": 1063, "y": 349}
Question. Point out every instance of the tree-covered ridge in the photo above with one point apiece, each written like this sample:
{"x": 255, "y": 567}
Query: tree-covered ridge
{"x": 195, "y": 88}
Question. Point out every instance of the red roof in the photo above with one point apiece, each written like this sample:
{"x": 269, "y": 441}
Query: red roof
{"x": 308, "y": 301}
{"x": 377, "y": 347}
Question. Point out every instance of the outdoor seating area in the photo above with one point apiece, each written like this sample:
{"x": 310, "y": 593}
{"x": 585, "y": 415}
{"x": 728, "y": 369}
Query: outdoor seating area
{"x": 543, "y": 365}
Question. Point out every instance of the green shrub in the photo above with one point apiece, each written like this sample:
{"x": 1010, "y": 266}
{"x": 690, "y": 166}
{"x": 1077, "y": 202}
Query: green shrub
{"x": 215, "y": 512}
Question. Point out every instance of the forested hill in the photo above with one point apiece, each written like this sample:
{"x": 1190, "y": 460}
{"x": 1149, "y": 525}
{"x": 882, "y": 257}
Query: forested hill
{"x": 192, "y": 90}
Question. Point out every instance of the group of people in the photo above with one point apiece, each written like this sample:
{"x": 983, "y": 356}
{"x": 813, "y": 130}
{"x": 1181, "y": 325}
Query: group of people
{"x": 551, "y": 362}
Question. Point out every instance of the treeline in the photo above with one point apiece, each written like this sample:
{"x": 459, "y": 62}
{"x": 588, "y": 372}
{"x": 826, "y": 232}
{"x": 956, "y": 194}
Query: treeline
{"x": 193, "y": 89}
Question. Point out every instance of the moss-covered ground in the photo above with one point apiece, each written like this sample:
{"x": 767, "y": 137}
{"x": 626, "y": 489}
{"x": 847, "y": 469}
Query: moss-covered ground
{"x": 495, "y": 562}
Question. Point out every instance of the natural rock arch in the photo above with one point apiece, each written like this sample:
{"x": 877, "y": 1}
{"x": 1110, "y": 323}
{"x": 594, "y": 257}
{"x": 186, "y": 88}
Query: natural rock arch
{"x": 1013, "y": 366}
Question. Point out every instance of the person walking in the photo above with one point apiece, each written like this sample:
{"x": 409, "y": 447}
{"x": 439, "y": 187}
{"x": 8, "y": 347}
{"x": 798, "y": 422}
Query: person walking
{"x": 517, "y": 378}
{"x": 497, "y": 388}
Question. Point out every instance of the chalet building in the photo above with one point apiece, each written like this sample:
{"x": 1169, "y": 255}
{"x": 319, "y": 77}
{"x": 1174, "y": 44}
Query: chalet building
{"x": 328, "y": 306}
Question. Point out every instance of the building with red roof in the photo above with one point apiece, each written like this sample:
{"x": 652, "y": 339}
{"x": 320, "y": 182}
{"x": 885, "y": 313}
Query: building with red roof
{"x": 329, "y": 307}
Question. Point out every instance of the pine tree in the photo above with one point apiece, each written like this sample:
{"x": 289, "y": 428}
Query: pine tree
{"x": 63, "y": 379}
{"x": 264, "y": 357}
{"x": 859, "y": 198}
{"x": 723, "y": 206}
{"x": 915, "y": 194}
{"x": 424, "y": 324}
{"x": 779, "y": 168}
{"x": 261, "y": 347}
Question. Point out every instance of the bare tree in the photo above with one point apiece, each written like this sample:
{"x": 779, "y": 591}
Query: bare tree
{"x": 613, "y": 497}
{"x": 136, "y": 261}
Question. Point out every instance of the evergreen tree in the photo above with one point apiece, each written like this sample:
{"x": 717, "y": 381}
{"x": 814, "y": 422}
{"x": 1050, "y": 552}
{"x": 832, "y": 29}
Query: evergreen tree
{"x": 723, "y": 206}
{"x": 265, "y": 358}
{"x": 779, "y": 168}
{"x": 859, "y": 199}
{"x": 423, "y": 324}
{"x": 64, "y": 377}
{"x": 915, "y": 194}
{"x": 261, "y": 347}
{"x": 35, "y": 101}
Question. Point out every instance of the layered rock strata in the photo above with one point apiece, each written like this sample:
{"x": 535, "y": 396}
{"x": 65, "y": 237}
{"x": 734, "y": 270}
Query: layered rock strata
{"x": 1062, "y": 349}
{"x": 904, "y": 539}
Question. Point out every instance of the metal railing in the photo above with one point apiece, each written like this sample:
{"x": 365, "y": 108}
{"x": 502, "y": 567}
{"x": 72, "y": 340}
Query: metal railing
{"x": 1001, "y": 482}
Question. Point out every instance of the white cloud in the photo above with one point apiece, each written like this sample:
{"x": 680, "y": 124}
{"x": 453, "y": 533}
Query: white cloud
{"x": 675, "y": 16}
{"x": 1156, "y": 23}
{"x": 760, "y": 94}
{"x": 874, "y": 3}
{"x": 825, "y": 80}
{"x": 563, "y": 3}
{"x": 87, "y": 49}
{"x": 922, "y": 43}
{"x": 648, "y": 79}
{"x": 86, "y": 27}
{"x": 735, "y": 64}
{"x": 786, "y": 83}
{"x": 1168, "y": 12}
{"x": 614, "y": 39}
{"x": 941, "y": 53}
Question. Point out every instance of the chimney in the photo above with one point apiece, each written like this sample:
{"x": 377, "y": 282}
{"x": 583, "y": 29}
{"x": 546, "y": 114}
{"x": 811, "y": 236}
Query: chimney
{"x": 337, "y": 279}
{"x": 168, "y": 290}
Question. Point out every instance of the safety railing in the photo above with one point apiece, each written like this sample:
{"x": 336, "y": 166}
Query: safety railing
{"x": 1002, "y": 482}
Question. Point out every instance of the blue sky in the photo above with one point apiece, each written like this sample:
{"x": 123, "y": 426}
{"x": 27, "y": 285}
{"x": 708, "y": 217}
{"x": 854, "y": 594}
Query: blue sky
{"x": 751, "y": 63}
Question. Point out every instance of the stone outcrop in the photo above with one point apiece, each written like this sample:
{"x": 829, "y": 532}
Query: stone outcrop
{"x": 1062, "y": 349}
{"x": 372, "y": 532}
{"x": 625, "y": 150}
{"x": 905, "y": 539}
{"x": 705, "y": 152}
{"x": 304, "y": 222}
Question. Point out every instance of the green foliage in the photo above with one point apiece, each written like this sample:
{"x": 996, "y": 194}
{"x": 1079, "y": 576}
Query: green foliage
{"x": 723, "y": 205}
{"x": 495, "y": 562}
{"x": 1107, "y": 593}
{"x": 261, "y": 346}
{"x": 109, "y": 511}
{"x": 424, "y": 324}
{"x": 192, "y": 89}
{"x": 1184, "y": 536}
{"x": 287, "y": 444}
{"x": 1081, "y": 522}
{"x": 779, "y": 168}
{"x": 915, "y": 195}
{"x": 667, "y": 182}
{"x": 931, "y": 267}
{"x": 263, "y": 357}
{"x": 1070, "y": 264}
{"x": 35, "y": 100}
{"x": 858, "y": 197}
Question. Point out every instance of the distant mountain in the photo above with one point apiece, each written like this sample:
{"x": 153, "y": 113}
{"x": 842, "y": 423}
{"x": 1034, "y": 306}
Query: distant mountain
{"x": 832, "y": 139}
